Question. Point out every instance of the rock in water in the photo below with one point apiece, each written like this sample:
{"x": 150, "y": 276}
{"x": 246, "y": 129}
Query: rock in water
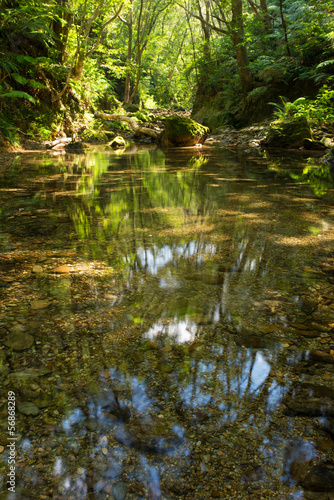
{"x": 19, "y": 341}
{"x": 181, "y": 131}
{"x": 320, "y": 478}
{"x": 28, "y": 408}
{"x": 117, "y": 143}
{"x": 288, "y": 132}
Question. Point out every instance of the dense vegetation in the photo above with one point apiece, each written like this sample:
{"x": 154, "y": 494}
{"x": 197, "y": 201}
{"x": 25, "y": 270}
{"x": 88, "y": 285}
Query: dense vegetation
{"x": 61, "y": 60}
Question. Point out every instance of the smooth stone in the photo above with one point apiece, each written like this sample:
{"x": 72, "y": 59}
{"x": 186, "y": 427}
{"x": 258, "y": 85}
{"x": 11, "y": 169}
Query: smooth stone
{"x": 312, "y": 407}
{"x": 19, "y": 341}
{"x": 321, "y": 357}
{"x": 120, "y": 491}
{"x": 18, "y": 328}
{"x": 28, "y": 408}
{"x": 61, "y": 270}
{"x": 307, "y": 333}
{"x": 39, "y": 304}
{"x": 29, "y": 373}
{"x": 320, "y": 478}
{"x": 37, "y": 269}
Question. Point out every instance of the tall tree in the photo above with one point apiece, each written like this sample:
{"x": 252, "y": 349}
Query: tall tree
{"x": 141, "y": 21}
{"x": 230, "y": 22}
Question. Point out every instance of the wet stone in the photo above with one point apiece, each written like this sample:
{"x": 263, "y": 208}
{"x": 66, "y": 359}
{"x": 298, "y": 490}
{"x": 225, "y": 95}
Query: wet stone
{"x": 321, "y": 357}
{"x": 37, "y": 269}
{"x": 39, "y": 304}
{"x": 308, "y": 306}
{"x": 19, "y": 341}
{"x": 320, "y": 478}
{"x": 61, "y": 270}
{"x": 28, "y": 408}
{"x": 309, "y": 406}
{"x": 29, "y": 373}
{"x": 19, "y": 328}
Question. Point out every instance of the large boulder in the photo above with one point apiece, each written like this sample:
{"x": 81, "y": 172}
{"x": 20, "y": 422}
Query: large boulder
{"x": 181, "y": 131}
{"x": 288, "y": 132}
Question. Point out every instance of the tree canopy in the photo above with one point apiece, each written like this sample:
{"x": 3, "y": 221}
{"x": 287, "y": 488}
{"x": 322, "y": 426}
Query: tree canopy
{"x": 65, "y": 57}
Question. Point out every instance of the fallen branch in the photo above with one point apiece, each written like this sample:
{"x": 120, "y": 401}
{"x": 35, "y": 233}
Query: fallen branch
{"x": 132, "y": 123}
{"x": 64, "y": 140}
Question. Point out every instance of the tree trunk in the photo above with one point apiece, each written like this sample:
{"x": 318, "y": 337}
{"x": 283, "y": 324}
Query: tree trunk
{"x": 237, "y": 37}
{"x": 129, "y": 57}
{"x": 60, "y": 29}
{"x": 266, "y": 17}
{"x": 284, "y": 28}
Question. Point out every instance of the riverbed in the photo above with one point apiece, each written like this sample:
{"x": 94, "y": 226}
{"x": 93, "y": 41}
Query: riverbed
{"x": 167, "y": 324}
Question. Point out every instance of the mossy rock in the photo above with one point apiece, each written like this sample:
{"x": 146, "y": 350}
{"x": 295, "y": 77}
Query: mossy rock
{"x": 289, "y": 132}
{"x": 75, "y": 147}
{"x": 181, "y": 131}
{"x": 117, "y": 143}
{"x": 314, "y": 145}
{"x": 131, "y": 108}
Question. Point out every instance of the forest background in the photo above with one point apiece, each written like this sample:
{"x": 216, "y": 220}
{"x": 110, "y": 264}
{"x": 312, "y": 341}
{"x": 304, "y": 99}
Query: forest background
{"x": 227, "y": 61}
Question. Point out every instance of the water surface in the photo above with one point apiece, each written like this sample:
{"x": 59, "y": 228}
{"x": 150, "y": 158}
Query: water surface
{"x": 163, "y": 314}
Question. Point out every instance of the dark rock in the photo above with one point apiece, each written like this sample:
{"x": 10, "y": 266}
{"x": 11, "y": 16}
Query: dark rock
{"x": 308, "y": 306}
{"x": 181, "y": 131}
{"x": 297, "y": 458}
{"x": 314, "y": 390}
{"x": 311, "y": 407}
{"x": 321, "y": 357}
{"x": 288, "y": 132}
{"x": 254, "y": 341}
{"x": 75, "y": 147}
{"x": 319, "y": 478}
{"x": 310, "y": 144}
{"x": 131, "y": 108}
{"x": 325, "y": 424}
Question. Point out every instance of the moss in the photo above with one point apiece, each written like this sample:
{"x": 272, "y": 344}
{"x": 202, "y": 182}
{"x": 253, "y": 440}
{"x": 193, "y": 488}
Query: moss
{"x": 288, "y": 132}
{"x": 181, "y": 131}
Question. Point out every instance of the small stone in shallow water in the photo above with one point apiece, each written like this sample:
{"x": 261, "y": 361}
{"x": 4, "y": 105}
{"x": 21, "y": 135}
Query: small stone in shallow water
{"x": 120, "y": 491}
{"x": 18, "y": 328}
{"x": 320, "y": 478}
{"x": 28, "y": 408}
{"x": 61, "y": 270}
{"x": 19, "y": 341}
{"x": 37, "y": 269}
{"x": 39, "y": 304}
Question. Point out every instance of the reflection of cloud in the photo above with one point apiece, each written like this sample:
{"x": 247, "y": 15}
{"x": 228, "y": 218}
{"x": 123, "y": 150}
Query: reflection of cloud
{"x": 180, "y": 331}
{"x": 157, "y": 258}
{"x": 260, "y": 372}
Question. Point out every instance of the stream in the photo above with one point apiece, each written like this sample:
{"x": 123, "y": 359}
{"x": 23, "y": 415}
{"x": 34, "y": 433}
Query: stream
{"x": 167, "y": 325}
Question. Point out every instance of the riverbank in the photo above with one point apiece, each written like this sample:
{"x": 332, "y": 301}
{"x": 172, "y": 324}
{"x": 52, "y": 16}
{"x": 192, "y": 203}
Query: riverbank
{"x": 227, "y": 136}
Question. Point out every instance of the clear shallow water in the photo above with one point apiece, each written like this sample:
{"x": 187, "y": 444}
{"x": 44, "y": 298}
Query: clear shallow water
{"x": 159, "y": 313}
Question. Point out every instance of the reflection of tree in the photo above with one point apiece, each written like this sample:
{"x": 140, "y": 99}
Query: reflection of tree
{"x": 315, "y": 173}
{"x": 198, "y": 391}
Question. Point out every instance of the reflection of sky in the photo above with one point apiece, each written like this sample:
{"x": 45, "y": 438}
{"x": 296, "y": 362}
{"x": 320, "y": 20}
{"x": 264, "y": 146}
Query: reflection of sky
{"x": 156, "y": 258}
{"x": 260, "y": 371}
{"x": 180, "y": 330}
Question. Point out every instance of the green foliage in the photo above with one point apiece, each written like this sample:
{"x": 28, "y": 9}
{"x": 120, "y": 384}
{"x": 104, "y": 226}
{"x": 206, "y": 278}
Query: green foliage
{"x": 319, "y": 112}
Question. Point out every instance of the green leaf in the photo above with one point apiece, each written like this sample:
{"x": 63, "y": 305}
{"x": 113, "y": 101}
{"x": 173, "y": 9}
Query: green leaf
{"x": 16, "y": 93}
{"x": 36, "y": 85}
{"x": 25, "y": 59}
{"x": 19, "y": 78}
